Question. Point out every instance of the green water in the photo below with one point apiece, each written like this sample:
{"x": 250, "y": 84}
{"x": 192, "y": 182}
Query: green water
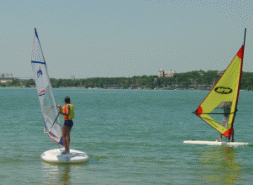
{"x": 131, "y": 137}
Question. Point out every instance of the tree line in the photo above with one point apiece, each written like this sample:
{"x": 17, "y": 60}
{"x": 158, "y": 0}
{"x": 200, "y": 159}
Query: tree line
{"x": 193, "y": 79}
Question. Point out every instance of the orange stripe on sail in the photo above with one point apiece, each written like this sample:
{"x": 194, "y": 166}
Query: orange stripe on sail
{"x": 199, "y": 111}
{"x": 240, "y": 52}
{"x": 228, "y": 132}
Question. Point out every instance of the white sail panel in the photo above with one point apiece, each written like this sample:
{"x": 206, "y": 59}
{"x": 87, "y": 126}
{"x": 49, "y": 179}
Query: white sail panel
{"x": 45, "y": 94}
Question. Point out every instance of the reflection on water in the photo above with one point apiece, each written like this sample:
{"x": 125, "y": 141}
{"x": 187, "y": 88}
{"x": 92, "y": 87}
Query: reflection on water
{"x": 64, "y": 177}
{"x": 59, "y": 173}
{"x": 218, "y": 166}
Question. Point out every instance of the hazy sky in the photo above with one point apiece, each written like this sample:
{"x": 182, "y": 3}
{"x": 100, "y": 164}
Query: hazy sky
{"x": 113, "y": 38}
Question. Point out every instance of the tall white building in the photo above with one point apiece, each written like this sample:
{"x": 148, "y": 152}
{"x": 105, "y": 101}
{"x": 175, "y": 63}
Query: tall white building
{"x": 169, "y": 73}
{"x": 162, "y": 73}
{"x": 5, "y": 77}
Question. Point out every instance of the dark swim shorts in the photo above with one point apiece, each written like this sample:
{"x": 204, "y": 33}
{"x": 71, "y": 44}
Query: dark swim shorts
{"x": 68, "y": 123}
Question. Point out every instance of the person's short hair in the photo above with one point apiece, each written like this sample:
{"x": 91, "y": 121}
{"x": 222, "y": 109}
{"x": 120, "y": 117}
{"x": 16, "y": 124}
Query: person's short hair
{"x": 67, "y": 99}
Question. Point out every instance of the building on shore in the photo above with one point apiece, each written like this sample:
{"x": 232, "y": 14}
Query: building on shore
{"x": 162, "y": 73}
{"x": 6, "y": 77}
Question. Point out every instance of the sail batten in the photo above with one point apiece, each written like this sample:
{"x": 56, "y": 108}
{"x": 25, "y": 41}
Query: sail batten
{"x": 223, "y": 98}
{"x": 45, "y": 94}
{"x": 38, "y": 62}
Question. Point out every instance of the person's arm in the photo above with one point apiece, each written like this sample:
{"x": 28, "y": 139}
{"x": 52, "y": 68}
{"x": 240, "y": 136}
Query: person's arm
{"x": 60, "y": 107}
{"x": 222, "y": 106}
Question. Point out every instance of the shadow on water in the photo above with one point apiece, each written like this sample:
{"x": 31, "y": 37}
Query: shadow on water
{"x": 219, "y": 166}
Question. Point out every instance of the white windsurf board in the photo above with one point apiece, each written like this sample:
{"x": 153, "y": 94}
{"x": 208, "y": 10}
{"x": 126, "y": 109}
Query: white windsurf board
{"x": 56, "y": 156}
{"x": 215, "y": 143}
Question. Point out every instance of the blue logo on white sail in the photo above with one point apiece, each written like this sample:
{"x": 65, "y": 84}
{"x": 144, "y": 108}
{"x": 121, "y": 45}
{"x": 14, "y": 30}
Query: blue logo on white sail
{"x": 39, "y": 72}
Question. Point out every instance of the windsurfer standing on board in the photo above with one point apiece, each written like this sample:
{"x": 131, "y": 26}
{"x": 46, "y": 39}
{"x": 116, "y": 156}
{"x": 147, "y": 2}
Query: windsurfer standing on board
{"x": 226, "y": 107}
{"x": 68, "y": 114}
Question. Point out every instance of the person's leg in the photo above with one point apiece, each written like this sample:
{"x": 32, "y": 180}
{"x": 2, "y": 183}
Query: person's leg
{"x": 65, "y": 137}
{"x": 224, "y": 124}
{"x": 220, "y": 139}
{"x": 68, "y": 138}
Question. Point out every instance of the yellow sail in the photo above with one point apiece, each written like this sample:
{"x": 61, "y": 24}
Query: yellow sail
{"x": 223, "y": 96}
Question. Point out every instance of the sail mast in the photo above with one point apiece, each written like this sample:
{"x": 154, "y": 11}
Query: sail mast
{"x": 36, "y": 34}
{"x": 245, "y": 30}
{"x": 243, "y": 46}
{"x": 239, "y": 86}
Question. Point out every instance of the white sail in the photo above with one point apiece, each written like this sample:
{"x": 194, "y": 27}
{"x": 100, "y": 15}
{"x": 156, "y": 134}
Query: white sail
{"x": 45, "y": 94}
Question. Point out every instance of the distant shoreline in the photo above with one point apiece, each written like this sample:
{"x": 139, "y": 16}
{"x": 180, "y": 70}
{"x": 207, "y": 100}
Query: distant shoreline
{"x": 170, "y": 89}
{"x": 194, "y": 80}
